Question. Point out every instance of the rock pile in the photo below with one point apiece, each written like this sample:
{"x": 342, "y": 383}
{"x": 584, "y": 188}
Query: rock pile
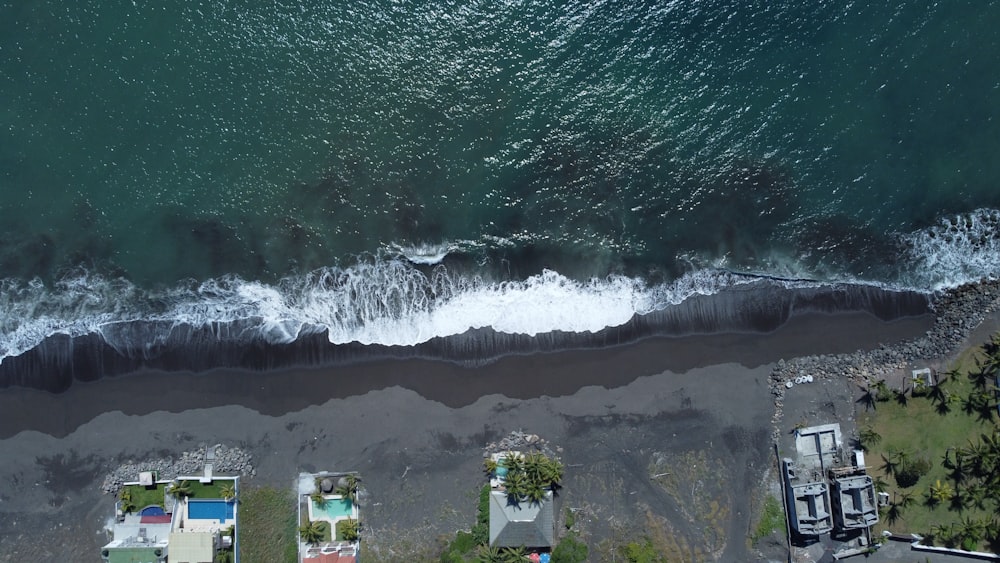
{"x": 228, "y": 461}
{"x": 521, "y": 441}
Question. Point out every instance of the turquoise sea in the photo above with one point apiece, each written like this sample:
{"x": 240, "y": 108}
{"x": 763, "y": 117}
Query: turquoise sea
{"x": 393, "y": 171}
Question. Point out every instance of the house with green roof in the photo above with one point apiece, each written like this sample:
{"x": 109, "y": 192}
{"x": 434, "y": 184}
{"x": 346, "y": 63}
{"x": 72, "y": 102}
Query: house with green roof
{"x": 135, "y": 550}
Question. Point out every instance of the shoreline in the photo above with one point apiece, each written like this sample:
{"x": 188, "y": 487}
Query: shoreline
{"x": 527, "y": 376}
{"x": 760, "y": 307}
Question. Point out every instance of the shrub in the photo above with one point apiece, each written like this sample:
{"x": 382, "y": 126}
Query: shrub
{"x": 642, "y": 552}
{"x": 910, "y": 471}
{"x": 481, "y": 531}
{"x": 772, "y": 518}
{"x": 459, "y": 548}
{"x": 570, "y": 550}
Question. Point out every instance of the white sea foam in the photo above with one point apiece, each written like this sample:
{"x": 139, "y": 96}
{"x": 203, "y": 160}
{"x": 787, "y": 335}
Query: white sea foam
{"x": 377, "y": 301}
{"x": 390, "y": 301}
{"x": 958, "y": 249}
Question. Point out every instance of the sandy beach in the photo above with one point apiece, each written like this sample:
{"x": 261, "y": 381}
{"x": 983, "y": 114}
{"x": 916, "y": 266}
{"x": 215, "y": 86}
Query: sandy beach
{"x": 416, "y": 430}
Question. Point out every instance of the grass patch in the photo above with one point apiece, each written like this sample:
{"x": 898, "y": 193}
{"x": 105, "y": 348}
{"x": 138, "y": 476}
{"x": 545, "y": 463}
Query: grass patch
{"x": 267, "y": 525}
{"x": 208, "y": 490}
{"x": 146, "y": 496}
{"x": 772, "y": 518}
{"x": 924, "y": 430}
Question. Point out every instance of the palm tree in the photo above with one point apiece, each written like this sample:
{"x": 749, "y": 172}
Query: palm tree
{"x": 976, "y": 495}
{"x": 905, "y": 499}
{"x": 488, "y": 554}
{"x": 868, "y": 437}
{"x": 533, "y": 465}
{"x": 984, "y": 374}
{"x": 228, "y": 491}
{"x": 513, "y": 554}
{"x": 350, "y": 529}
{"x": 223, "y": 556}
{"x": 891, "y": 460}
{"x": 971, "y": 531}
{"x": 318, "y": 498}
{"x": 349, "y": 488}
{"x": 939, "y": 492}
{"x": 900, "y": 395}
{"x": 893, "y": 512}
{"x": 127, "y": 504}
{"x": 513, "y": 463}
{"x": 489, "y": 466}
{"x": 943, "y": 406}
{"x": 880, "y": 484}
{"x": 948, "y": 376}
{"x": 180, "y": 489}
{"x": 312, "y": 532}
{"x": 553, "y": 472}
{"x": 516, "y": 485}
{"x": 882, "y": 393}
{"x": 868, "y": 397}
{"x": 535, "y": 492}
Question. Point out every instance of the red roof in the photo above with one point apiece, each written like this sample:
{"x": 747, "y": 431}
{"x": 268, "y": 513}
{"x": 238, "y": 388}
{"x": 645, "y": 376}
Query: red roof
{"x": 164, "y": 519}
{"x": 330, "y": 558}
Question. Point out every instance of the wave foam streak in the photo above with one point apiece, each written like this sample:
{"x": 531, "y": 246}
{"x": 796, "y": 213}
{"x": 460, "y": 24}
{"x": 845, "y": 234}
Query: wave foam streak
{"x": 376, "y": 301}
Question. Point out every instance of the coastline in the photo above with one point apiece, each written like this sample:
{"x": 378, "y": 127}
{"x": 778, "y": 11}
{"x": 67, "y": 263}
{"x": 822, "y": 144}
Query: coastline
{"x": 760, "y": 306}
{"x": 527, "y": 376}
{"x": 613, "y": 411}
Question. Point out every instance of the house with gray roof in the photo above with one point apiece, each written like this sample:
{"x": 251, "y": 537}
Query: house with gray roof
{"x": 525, "y": 523}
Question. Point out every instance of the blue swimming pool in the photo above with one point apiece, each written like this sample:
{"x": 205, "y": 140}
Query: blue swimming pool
{"x": 211, "y": 509}
{"x": 152, "y": 511}
{"x": 333, "y": 508}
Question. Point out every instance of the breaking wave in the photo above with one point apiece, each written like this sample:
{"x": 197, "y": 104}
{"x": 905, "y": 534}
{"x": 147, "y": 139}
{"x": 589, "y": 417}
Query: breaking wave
{"x": 959, "y": 249}
{"x": 394, "y": 301}
{"x": 380, "y": 301}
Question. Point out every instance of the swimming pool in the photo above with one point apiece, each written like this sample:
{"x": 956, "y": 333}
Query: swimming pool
{"x": 210, "y": 509}
{"x": 333, "y": 509}
{"x": 152, "y": 511}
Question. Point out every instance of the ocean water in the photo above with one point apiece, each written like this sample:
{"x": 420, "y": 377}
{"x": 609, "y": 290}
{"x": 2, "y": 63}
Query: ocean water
{"x": 391, "y": 172}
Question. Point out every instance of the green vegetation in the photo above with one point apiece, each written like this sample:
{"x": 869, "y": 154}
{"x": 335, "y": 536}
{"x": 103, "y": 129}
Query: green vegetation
{"x": 314, "y": 532}
{"x": 215, "y": 489}
{"x": 347, "y": 530}
{"x": 349, "y": 489}
{"x": 529, "y": 478}
{"x": 939, "y": 453}
{"x": 267, "y": 525}
{"x": 532, "y": 473}
{"x": 459, "y": 549}
{"x": 642, "y": 552}
{"x": 570, "y": 519}
{"x": 570, "y": 550}
{"x": 227, "y": 490}
{"x": 141, "y": 497}
{"x": 772, "y": 518}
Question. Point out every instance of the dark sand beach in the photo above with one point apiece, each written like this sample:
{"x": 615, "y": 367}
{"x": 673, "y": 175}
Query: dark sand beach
{"x": 616, "y": 414}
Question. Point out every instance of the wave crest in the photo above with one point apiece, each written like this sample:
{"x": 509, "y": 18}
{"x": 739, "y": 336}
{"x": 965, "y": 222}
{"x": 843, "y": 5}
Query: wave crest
{"x": 375, "y": 301}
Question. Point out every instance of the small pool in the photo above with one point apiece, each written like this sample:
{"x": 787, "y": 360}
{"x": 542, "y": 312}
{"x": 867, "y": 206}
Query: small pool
{"x": 152, "y": 511}
{"x": 334, "y": 508}
{"x": 211, "y": 509}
